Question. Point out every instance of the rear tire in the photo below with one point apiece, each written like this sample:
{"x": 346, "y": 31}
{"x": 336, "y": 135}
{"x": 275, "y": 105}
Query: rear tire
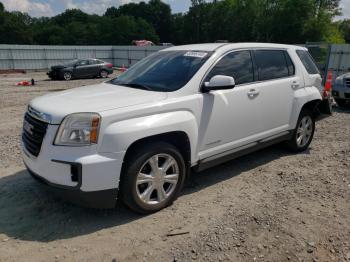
{"x": 103, "y": 74}
{"x": 303, "y": 133}
{"x": 152, "y": 178}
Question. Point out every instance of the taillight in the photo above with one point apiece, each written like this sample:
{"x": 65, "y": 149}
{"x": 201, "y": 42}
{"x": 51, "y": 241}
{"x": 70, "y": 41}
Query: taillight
{"x": 109, "y": 65}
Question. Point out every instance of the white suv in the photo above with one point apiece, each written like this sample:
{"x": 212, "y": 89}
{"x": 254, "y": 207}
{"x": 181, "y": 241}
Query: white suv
{"x": 187, "y": 107}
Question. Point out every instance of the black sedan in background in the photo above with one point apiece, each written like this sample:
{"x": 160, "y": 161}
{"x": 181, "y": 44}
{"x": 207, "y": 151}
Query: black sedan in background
{"x": 82, "y": 68}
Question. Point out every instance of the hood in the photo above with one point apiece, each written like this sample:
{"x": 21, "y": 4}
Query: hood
{"x": 56, "y": 67}
{"x": 94, "y": 98}
{"x": 346, "y": 75}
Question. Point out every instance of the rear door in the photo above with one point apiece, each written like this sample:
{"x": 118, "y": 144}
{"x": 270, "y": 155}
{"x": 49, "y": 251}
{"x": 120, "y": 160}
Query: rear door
{"x": 277, "y": 82}
{"x": 94, "y": 67}
{"x": 81, "y": 68}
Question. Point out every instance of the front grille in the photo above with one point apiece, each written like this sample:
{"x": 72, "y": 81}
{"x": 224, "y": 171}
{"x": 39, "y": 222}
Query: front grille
{"x": 33, "y": 134}
{"x": 347, "y": 82}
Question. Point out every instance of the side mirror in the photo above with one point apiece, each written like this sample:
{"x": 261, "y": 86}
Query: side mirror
{"x": 219, "y": 82}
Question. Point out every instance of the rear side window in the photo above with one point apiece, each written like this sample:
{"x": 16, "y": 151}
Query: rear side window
{"x": 238, "y": 64}
{"x": 308, "y": 62}
{"x": 273, "y": 64}
{"x": 290, "y": 65}
{"x": 83, "y": 63}
{"x": 94, "y": 62}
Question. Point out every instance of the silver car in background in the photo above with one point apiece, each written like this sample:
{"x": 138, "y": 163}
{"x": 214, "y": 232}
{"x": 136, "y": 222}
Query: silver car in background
{"x": 341, "y": 90}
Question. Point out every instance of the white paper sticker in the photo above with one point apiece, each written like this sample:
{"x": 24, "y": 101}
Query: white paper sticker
{"x": 196, "y": 54}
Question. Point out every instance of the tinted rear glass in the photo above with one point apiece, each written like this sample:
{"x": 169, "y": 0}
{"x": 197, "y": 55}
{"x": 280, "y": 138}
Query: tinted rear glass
{"x": 271, "y": 64}
{"x": 236, "y": 64}
{"x": 308, "y": 62}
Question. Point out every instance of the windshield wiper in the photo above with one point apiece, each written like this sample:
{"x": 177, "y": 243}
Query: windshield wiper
{"x": 136, "y": 85}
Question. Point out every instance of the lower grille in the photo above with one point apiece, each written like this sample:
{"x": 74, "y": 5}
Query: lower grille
{"x": 33, "y": 134}
{"x": 347, "y": 82}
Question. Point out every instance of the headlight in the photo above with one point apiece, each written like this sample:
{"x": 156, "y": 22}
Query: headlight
{"x": 79, "y": 129}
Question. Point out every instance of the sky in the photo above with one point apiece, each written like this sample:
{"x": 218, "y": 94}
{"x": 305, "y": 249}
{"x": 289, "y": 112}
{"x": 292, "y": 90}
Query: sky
{"x": 39, "y": 8}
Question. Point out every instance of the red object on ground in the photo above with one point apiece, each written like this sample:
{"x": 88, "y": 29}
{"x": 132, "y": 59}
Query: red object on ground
{"x": 123, "y": 68}
{"x": 23, "y": 83}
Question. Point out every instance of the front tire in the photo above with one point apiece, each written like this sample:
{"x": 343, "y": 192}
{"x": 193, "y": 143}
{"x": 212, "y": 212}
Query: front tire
{"x": 67, "y": 76}
{"x": 152, "y": 178}
{"x": 303, "y": 133}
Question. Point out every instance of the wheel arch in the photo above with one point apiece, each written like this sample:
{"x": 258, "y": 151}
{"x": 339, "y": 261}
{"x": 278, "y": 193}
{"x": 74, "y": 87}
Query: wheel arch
{"x": 309, "y": 98}
{"x": 179, "y": 139}
{"x": 312, "y": 106}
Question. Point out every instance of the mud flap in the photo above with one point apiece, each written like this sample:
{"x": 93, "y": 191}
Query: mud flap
{"x": 325, "y": 106}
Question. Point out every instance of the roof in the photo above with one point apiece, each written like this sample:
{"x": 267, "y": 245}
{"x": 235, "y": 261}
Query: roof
{"x": 214, "y": 46}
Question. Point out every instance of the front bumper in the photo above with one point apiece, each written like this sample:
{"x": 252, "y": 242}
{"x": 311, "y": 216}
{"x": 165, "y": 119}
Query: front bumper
{"x": 97, "y": 199}
{"x": 79, "y": 174}
{"x": 54, "y": 74}
{"x": 341, "y": 92}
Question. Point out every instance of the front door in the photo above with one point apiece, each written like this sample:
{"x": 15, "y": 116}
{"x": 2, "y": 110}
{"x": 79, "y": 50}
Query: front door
{"x": 231, "y": 118}
{"x": 81, "y": 68}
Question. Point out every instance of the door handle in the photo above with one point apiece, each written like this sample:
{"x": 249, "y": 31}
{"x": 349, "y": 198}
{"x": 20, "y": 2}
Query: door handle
{"x": 253, "y": 93}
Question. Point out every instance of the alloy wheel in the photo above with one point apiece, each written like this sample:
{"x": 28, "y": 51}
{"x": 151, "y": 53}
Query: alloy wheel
{"x": 157, "y": 179}
{"x": 67, "y": 76}
{"x": 304, "y": 131}
{"x": 104, "y": 74}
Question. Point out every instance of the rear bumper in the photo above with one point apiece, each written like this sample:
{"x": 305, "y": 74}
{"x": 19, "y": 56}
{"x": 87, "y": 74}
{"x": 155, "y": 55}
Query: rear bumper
{"x": 96, "y": 199}
{"x": 109, "y": 70}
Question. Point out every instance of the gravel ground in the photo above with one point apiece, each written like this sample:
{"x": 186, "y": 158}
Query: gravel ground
{"x": 267, "y": 206}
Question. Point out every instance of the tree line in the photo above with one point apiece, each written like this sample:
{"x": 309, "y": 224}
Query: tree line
{"x": 280, "y": 21}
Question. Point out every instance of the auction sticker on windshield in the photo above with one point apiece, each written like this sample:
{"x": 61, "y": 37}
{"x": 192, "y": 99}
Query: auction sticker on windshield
{"x": 196, "y": 54}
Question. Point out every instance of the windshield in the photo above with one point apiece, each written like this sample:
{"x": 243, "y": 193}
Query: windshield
{"x": 164, "y": 71}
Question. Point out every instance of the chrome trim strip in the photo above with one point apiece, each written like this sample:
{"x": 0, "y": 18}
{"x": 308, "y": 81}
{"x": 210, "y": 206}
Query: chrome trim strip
{"x": 39, "y": 115}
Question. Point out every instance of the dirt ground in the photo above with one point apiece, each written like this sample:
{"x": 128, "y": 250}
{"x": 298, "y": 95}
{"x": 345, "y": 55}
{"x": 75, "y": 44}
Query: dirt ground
{"x": 267, "y": 206}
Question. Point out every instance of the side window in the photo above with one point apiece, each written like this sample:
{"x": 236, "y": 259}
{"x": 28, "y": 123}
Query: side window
{"x": 272, "y": 64}
{"x": 308, "y": 62}
{"x": 83, "y": 63}
{"x": 95, "y": 62}
{"x": 236, "y": 64}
